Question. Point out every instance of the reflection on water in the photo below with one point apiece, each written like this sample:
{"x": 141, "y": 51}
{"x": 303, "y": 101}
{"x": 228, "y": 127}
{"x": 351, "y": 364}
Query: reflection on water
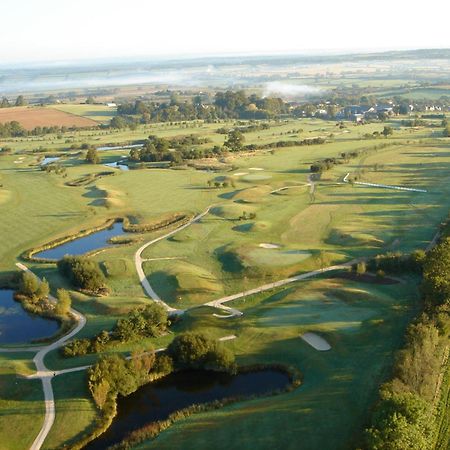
{"x": 94, "y": 241}
{"x": 156, "y": 401}
{"x": 17, "y": 326}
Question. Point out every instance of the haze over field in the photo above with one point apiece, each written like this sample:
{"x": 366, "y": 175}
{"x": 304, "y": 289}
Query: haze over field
{"x": 59, "y": 31}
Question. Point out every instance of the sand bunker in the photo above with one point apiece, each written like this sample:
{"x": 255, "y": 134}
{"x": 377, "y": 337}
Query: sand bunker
{"x": 266, "y": 245}
{"x": 239, "y": 174}
{"x": 316, "y": 341}
{"x": 255, "y": 168}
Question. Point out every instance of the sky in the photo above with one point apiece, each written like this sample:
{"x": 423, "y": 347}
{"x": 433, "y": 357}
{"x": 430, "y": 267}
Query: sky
{"x": 64, "y": 30}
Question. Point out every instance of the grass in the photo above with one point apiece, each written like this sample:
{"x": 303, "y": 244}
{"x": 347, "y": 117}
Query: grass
{"x": 21, "y": 402}
{"x": 220, "y": 255}
{"x": 75, "y": 411}
{"x": 363, "y": 333}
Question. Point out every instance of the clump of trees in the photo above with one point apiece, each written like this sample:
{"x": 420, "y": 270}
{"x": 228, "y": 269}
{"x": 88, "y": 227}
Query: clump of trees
{"x": 33, "y": 294}
{"x": 226, "y": 105}
{"x": 140, "y": 323}
{"x": 83, "y": 273}
{"x": 174, "y": 150}
{"x": 20, "y": 101}
{"x": 235, "y": 141}
{"x": 92, "y": 156}
{"x": 398, "y": 262}
{"x": 198, "y": 351}
{"x": 387, "y": 131}
{"x": 114, "y": 375}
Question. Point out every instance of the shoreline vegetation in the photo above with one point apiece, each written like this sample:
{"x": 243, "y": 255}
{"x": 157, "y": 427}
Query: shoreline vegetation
{"x": 115, "y": 375}
{"x": 128, "y": 227}
{"x": 153, "y": 429}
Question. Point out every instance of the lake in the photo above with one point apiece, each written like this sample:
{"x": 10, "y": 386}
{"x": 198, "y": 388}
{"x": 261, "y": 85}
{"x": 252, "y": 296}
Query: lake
{"x": 156, "y": 401}
{"x": 19, "y": 327}
{"x": 85, "y": 244}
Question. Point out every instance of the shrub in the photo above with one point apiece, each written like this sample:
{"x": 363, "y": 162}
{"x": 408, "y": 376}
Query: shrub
{"x": 198, "y": 351}
{"x": 83, "y": 273}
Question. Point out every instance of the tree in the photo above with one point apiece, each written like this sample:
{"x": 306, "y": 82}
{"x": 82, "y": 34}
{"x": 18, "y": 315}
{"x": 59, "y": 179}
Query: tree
{"x": 83, "y": 273}
{"x": 115, "y": 370}
{"x": 43, "y": 290}
{"x": 400, "y": 422}
{"x": 361, "y": 268}
{"x": 90, "y": 100}
{"x": 92, "y": 156}
{"x": 20, "y": 101}
{"x": 387, "y": 131}
{"x": 64, "y": 302}
{"x": 5, "y": 103}
{"x": 198, "y": 351}
{"x": 29, "y": 284}
{"x": 150, "y": 321}
{"x": 436, "y": 284}
{"x": 235, "y": 140}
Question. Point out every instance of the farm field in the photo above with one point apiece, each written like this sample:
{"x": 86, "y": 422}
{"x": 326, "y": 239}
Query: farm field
{"x": 99, "y": 113}
{"x": 32, "y": 117}
{"x": 267, "y": 219}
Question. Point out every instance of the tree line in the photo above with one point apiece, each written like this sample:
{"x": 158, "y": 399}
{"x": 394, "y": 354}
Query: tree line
{"x": 404, "y": 417}
{"x": 226, "y": 105}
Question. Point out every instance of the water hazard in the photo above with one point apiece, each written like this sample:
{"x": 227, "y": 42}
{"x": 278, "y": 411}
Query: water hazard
{"x": 156, "y": 401}
{"x": 85, "y": 244}
{"x": 17, "y": 326}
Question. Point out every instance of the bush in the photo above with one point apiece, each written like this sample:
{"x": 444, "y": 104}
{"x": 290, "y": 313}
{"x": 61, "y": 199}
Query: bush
{"x": 198, "y": 351}
{"x": 83, "y": 273}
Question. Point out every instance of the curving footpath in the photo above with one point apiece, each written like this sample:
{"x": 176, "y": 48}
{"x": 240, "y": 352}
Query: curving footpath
{"x": 219, "y": 303}
{"x": 138, "y": 260}
{"x": 42, "y": 371}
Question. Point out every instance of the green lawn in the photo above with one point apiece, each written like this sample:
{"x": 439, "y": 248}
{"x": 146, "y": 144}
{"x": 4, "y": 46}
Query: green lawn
{"x": 364, "y": 325}
{"x": 221, "y": 255}
{"x": 21, "y": 402}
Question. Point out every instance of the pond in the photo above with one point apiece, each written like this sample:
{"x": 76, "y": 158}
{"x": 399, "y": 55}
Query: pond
{"x": 49, "y": 160}
{"x": 89, "y": 243}
{"x": 118, "y": 147}
{"x": 156, "y": 401}
{"x": 19, "y": 327}
{"x": 117, "y": 165}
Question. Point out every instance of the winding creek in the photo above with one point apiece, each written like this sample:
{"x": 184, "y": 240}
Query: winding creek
{"x": 85, "y": 244}
{"x": 19, "y": 327}
{"x": 156, "y": 401}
